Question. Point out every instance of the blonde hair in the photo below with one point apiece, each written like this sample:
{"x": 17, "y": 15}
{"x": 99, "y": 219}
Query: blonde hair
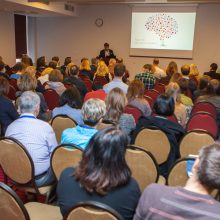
{"x": 115, "y": 104}
{"x": 102, "y": 69}
{"x": 31, "y": 70}
{"x": 176, "y": 77}
{"x": 136, "y": 89}
{"x": 27, "y": 82}
{"x": 173, "y": 90}
{"x": 194, "y": 70}
{"x": 85, "y": 65}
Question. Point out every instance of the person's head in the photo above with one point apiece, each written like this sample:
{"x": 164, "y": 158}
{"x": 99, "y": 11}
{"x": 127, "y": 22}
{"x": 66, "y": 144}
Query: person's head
{"x": 184, "y": 85}
{"x": 103, "y": 166}
{"x": 148, "y": 68}
{"x": 207, "y": 167}
{"x": 31, "y": 70}
{"x": 67, "y": 61}
{"x": 4, "y": 86}
{"x": 204, "y": 82}
{"x": 173, "y": 90}
{"x": 185, "y": 69}
{"x": 41, "y": 62}
{"x": 85, "y": 65}
{"x": 213, "y": 66}
{"x": 55, "y": 76}
{"x": 112, "y": 61}
{"x": 119, "y": 70}
{"x": 119, "y": 60}
{"x": 93, "y": 110}
{"x": 94, "y": 61}
{"x": 71, "y": 97}
{"x": 164, "y": 105}
{"x": 106, "y": 46}
{"x": 102, "y": 68}
{"x": 156, "y": 61}
{"x": 56, "y": 59}
{"x": 194, "y": 70}
{"x": 115, "y": 104}
{"x": 136, "y": 89}
{"x": 72, "y": 69}
{"x": 171, "y": 68}
{"x": 19, "y": 67}
{"x": 97, "y": 86}
{"x": 27, "y": 82}
{"x": 29, "y": 102}
{"x": 2, "y": 66}
{"x": 176, "y": 77}
{"x": 213, "y": 87}
{"x": 26, "y": 60}
{"x": 52, "y": 64}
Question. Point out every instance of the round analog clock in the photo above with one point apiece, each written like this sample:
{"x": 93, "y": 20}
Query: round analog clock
{"x": 99, "y": 22}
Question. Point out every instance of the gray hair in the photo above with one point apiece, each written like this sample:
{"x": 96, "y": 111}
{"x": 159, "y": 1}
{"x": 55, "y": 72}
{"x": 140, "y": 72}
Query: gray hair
{"x": 93, "y": 110}
{"x": 28, "y": 102}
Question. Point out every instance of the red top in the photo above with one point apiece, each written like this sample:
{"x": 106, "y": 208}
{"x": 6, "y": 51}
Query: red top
{"x": 98, "y": 94}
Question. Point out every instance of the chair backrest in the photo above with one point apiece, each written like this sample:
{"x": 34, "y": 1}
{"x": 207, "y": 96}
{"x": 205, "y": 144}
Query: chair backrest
{"x": 60, "y": 123}
{"x": 177, "y": 175}
{"x": 51, "y": 98}
{"x": 93, "y": 211}
{"x": 154, "y": 141}
{"x": 204, "y": 106}
{"x": 193, "y": 141}
{"x": 105, "y": 124}
{"x": 135, "y": 112}
{"x": 150, "y": 100}
{"x": 172, "y": 118}
{"x": 63, "y": 157}
{"x": 143, "y": 166}
{"x": 11, "y": 207}
{"x": 16, "y": 161}
{"x": 12, "y": 93}
{"x": 160, "y": 87}
{"x": 100, "y": 79}
{"x": 152, "y": 93}
{"x": 203, "y": 121}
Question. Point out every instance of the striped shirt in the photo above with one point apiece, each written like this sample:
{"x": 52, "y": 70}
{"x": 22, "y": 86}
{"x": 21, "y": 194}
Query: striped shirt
{"x": 159, "y": 202}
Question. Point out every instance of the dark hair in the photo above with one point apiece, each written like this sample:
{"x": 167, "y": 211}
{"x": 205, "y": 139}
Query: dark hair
{"x": 156, "y": 61}
{"x": 119, "y": 69}
{"x": 204, "y": 82}
{"x": 97, "y": 85}
{"x": 214, "y": 66}
{"x": 164, "y": 105}
{"x": 213, "y": 87}
{"x": 103, "y": 166}
{"x": 55, "y": 58}
{"x": 106, "y": 44}
{"x": 18, "y": 67}
{"x": 148, "y": 67}
{"x": 71, "y": 97}
{"x": 185, "y": 69}
{"x": 67, "y": 61}
{"x": 73, "y": 70}
{"x": 209, "y": 166}
{"x": 2, "y": 65}
{"x": 52, "y": 64}
{"x": 171, "y": 68}
{"x": 184, "y": 85}
{"x": 26, "y": 60}
{"x": 4, "y": 86}
{"x": 41, "y": 62}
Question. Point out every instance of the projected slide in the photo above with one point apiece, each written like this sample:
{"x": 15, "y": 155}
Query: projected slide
{"x": 164, "y": 31}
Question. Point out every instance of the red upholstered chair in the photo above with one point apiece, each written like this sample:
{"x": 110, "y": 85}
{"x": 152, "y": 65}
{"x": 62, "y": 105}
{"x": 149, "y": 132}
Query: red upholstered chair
{"x": 82, "y": 77}
{"x": 160, "y": 87}
{"x": 204, "y": 106}
{"x": 135, "y": 112}
{"x": 12, "y": 93}
{"x": 170, "y": 118}
{"x": 150, "y": 100}
{"x": 88, "y": 84}
{"x": 100, "y": 79}
{"x": 51, "y": 98}
{"x": 203, "y": 121}
{"x": 152, "y": 93}
{"x": 13, "y": 82}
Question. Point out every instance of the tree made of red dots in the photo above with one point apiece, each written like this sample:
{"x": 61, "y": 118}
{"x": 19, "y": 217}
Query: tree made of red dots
{"x": 163, "y": 25}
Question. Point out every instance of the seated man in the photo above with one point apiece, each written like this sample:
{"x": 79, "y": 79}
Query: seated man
{"x": 191, "y": 202}
{"x": 36, "y": 135}
{"x": 93, "y": 111}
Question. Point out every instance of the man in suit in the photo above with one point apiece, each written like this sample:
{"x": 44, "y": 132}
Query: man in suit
{"x": 106, "y": 54}
{"x": 212, "y": 73}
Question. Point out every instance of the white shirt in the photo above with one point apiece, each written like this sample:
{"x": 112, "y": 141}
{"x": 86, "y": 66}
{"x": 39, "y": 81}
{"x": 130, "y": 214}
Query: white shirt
{"x": 159, "y": 73}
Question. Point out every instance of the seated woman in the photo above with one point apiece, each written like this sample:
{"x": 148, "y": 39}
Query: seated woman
{"x": 85, "y": 69}
{"x": 163, "y": 107}
{"x": 135, "y": 96}
{"x": 29, "y": 83}
{"x": 102, "y": 176}
{"x": 115, "y": 105}
{"x": 55, "y": 82}
{"x": 173, "y": 90}
{"x": 8, "y": 112}
{"x": 93, "y": 111}
{"x": 70, "y": 105}
{"x": 102, "y": 71}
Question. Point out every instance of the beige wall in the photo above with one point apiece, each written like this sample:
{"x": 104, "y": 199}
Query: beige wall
{"x": 79, "y": 37}
{"x": 7, "y": 38}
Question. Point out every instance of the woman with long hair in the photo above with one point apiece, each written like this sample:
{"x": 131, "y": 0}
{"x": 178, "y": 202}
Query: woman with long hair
{"x": 102, "y": 175}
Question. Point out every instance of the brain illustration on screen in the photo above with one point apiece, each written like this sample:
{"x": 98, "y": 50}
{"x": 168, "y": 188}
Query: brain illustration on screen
{"x": 164, "y": 25}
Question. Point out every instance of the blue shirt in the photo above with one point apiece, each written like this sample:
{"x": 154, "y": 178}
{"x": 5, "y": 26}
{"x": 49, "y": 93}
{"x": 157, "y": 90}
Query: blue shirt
{"x": 15, "y": 76}
{"x": 116, "y": 82}
{"x": 79, "y": 135}
{"x": 73, "y": 113}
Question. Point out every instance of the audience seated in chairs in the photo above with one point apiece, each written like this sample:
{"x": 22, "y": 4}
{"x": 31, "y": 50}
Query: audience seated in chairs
{"x": 55, "y": 82}
{"x": 102, "y": 71}
{"x": 163, "y": 107}
{"x": 36, "y": 135}
{"x": 93, "y": 111}
{"x": 71, "y": 77}
{"x": 102, "y": 175}
{"x": 115, "y": 106}
{"x": 67, "y": 61}
{"x": 136, "y": 98}
{"x": 29, "y": 83}
{"x": 85, "y": 69}
{"x": 41, "y": 64}
{"x": 8, "y": 112}
{"x": 190, "y": 202}
{"x": 18, "y": 69}
{"x": 70, "y": 105}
